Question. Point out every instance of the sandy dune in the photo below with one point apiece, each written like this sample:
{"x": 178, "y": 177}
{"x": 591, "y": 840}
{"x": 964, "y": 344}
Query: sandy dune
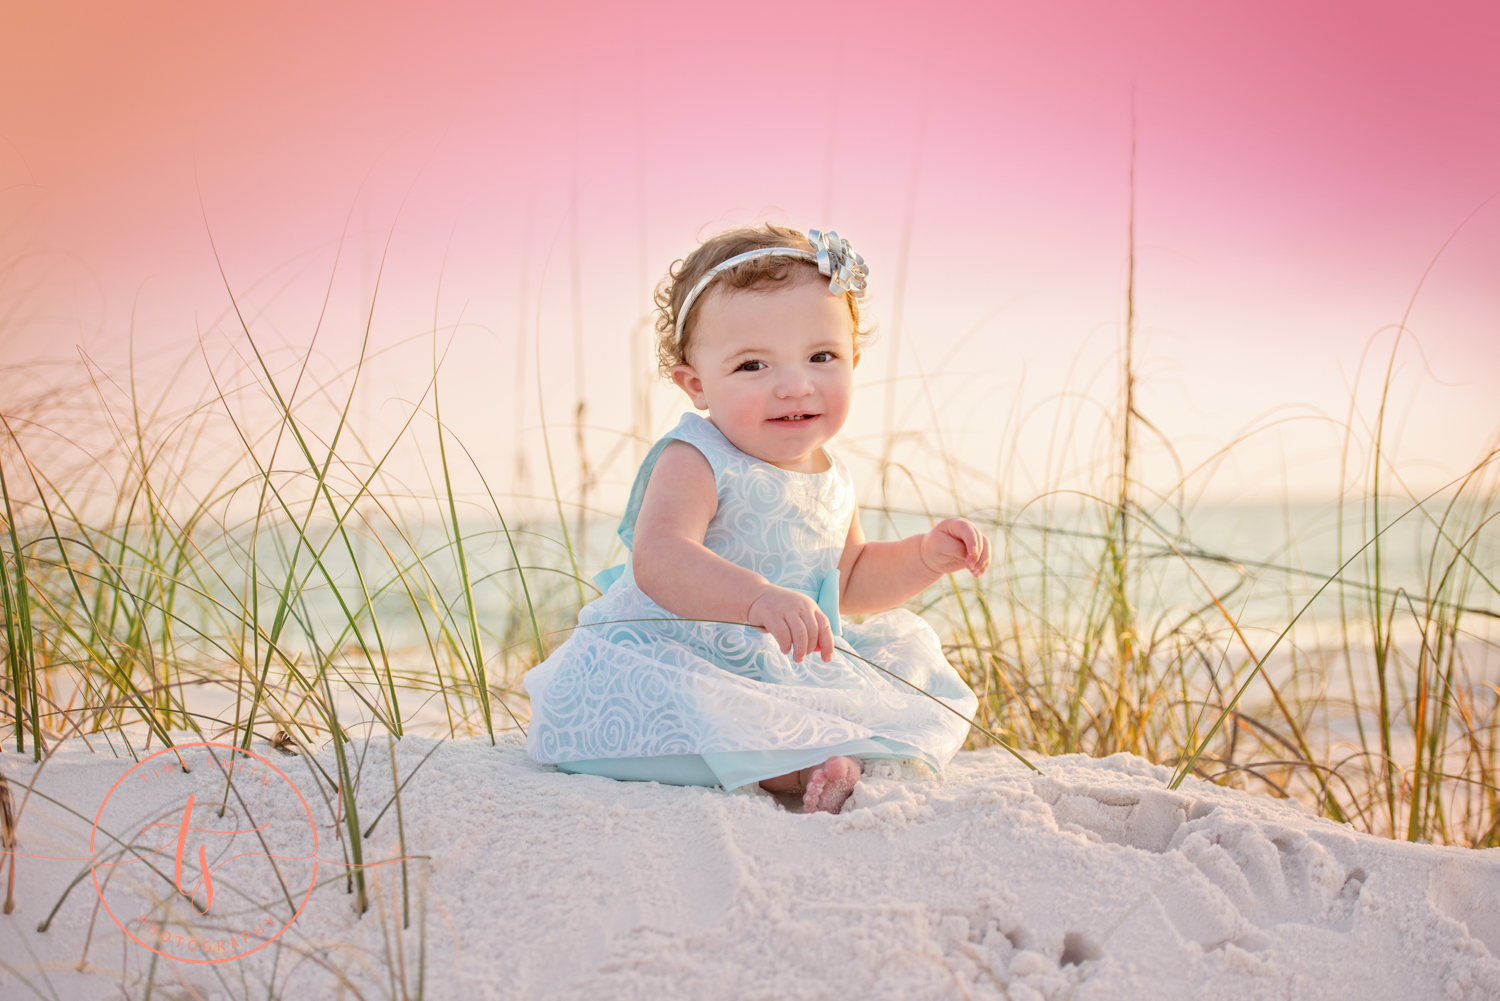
{"x": 1092, "y": 881}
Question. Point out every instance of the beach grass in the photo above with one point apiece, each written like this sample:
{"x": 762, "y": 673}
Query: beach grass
{"x": 245, "y": 561}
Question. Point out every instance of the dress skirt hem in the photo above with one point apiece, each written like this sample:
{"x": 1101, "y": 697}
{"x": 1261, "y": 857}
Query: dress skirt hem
{"x": 732, "y": 769}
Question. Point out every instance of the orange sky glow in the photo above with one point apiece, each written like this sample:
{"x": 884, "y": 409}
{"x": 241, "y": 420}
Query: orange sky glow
{"x": 535, "y": 168}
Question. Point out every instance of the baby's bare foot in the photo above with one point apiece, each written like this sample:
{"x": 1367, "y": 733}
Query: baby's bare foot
{"x": 830, "y": 784}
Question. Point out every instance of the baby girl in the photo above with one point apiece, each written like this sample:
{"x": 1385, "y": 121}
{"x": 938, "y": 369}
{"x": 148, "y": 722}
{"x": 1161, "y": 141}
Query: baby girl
{"x": 717, "y": 654}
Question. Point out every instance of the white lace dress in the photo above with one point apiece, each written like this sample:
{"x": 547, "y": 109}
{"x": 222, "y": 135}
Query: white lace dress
{"x": 638, "y": 693}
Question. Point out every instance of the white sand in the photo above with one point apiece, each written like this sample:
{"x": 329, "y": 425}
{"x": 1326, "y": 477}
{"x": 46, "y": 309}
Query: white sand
{"x": 1092, "y": 882}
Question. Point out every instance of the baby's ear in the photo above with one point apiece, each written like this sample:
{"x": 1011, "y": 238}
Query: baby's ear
{"x": 855, "y": 362}
{"x": 689, "y": 382}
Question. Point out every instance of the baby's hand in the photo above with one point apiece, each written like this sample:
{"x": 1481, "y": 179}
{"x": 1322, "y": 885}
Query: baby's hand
{"x": 953, "y": 544}
{"x": 795, "y": 621}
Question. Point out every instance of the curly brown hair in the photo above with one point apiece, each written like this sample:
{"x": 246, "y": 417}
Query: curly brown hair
{"x": 760, "y": 272}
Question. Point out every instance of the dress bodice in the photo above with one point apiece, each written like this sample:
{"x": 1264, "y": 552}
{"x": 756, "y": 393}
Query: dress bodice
{"x": 789, "y": 527}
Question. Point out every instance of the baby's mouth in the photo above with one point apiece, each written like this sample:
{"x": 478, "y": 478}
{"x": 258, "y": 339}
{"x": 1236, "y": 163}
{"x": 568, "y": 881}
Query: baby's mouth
{"x": 795, "y": 417}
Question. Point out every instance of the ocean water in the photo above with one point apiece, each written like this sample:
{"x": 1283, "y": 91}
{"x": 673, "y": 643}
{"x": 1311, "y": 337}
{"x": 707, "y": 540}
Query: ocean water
{"x": 1309, "y": 571}
{"x": 1265, "y": 566}
{"x": 1265, "y": 559}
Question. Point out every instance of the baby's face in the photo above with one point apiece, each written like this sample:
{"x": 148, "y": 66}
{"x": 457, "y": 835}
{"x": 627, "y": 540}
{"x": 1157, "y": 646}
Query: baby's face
{"x": 774, "y": 368}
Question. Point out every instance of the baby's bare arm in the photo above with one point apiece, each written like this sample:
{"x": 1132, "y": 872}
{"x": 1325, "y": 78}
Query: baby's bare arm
{"x": 675, "y": 570}
{"x": 875, "y": 576}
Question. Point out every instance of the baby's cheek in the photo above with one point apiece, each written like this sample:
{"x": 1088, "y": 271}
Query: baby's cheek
{"x": 746, "y": 413}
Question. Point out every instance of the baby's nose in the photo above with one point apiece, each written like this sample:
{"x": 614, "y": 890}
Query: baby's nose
{"x": 793, "y": 382}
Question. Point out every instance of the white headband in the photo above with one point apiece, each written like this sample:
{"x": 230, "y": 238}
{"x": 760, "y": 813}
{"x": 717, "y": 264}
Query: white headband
{"x": 846, "y": 270}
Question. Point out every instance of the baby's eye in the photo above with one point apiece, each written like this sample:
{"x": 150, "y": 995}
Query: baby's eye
{"x": 751, "y": 366}
{"x": 822, "y": 356}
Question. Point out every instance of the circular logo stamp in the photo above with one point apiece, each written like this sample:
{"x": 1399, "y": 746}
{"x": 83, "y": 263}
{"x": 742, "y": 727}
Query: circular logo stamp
{"x": 204, "y": 852}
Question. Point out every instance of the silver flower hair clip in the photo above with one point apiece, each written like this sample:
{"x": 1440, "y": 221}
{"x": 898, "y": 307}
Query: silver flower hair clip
{"x": 846, "y": 270}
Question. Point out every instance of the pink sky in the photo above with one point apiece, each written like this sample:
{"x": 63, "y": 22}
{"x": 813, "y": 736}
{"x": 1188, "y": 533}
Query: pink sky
{"x": 1299, "y": 166}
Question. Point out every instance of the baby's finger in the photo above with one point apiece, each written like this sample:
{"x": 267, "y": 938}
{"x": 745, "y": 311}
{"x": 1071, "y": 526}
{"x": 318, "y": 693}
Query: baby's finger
{"x": 973, "y": 545}
{"x": 972, "y": 540}
{"x": 799, "y": 638}
{"x": 783, "y": 636}
{"x": 825, "y": 637}
{"x": 982, "y": 558}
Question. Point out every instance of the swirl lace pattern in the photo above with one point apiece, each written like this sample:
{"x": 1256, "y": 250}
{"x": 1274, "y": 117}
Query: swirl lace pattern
{"x": 625, "y": 689}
